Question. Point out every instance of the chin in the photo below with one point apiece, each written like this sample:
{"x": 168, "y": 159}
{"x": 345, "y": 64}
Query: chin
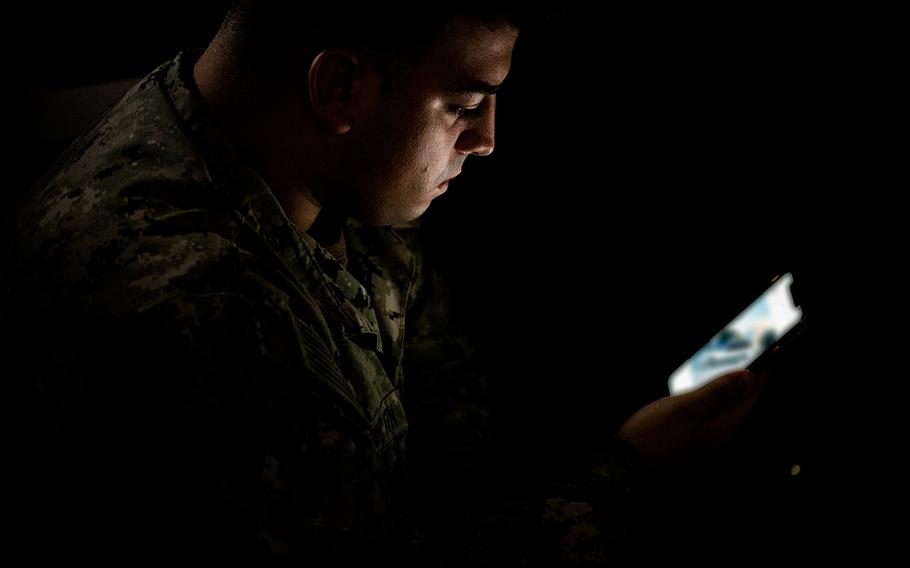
{"x": 417, "y": 212}
{"x": 392, "y": 212}
{"x": 405, "y": 218}
{"x": 382, "y": 219}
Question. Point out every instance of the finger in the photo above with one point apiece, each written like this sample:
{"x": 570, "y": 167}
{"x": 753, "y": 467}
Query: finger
{"x": 727, "y": 390}
{"x": 731, "y": 416}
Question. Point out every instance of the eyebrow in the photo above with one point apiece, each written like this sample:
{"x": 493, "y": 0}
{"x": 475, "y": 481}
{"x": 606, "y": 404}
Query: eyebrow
{"x": 476, "y": 88}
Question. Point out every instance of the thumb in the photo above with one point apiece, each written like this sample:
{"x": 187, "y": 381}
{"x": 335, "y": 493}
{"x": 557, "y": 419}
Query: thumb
{"x": 728, "y": 389}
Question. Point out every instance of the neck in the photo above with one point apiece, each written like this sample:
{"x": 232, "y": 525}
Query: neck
{"x": 264, "y": 127}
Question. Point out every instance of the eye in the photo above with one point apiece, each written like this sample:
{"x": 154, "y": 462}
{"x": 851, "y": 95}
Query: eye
{"x": 465, "y": 112}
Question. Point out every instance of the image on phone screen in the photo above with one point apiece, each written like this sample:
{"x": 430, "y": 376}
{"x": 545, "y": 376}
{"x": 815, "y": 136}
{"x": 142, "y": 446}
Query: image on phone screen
{"x": 741, "y": 342}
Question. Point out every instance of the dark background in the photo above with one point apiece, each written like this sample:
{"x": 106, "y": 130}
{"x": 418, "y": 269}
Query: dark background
{"x": 654, "y": 169}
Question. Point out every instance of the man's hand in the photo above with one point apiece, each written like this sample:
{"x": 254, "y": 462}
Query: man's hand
{"x": 674, "y": 428}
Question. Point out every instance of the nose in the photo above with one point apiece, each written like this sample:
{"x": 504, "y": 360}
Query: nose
{"x": 479, "y": 137}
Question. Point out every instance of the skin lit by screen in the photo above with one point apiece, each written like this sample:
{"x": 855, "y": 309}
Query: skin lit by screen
{"x": 743, "y": 340}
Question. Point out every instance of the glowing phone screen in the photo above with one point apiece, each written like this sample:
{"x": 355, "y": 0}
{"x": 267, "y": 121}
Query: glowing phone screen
{"x": 769, "y": 317}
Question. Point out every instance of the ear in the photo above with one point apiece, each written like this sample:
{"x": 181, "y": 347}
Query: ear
{"x": 340, "y": 82}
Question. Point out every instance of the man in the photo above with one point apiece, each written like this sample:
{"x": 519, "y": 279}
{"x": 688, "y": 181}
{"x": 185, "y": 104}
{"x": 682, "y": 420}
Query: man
{"x": 234, "y": 357}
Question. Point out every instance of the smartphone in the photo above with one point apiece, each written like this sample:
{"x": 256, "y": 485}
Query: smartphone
{"x": 773, "y": 320}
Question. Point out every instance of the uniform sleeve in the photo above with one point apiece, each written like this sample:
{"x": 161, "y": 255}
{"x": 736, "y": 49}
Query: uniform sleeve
{"x": 203, "y": 429}
{"x": 468, "y": 484}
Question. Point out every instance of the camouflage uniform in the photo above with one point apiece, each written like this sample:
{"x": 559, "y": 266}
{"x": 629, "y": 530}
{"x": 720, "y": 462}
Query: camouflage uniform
{"x": 204, "y": 379}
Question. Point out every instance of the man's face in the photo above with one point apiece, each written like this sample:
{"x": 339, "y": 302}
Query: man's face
{"x": 419, "y": 131}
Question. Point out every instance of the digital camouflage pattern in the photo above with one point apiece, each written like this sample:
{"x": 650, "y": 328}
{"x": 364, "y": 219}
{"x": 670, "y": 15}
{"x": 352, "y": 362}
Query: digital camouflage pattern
{"x": 202, "y": 380}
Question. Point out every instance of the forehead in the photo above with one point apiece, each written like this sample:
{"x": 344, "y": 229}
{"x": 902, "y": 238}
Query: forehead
{"x": 470, "y": 52}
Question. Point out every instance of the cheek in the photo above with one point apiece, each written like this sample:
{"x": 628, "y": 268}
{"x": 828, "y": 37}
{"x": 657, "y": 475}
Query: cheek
{"x": 413, "y": 157}
{"x": 425, "y": 155}
{"x": 437, "y": 149}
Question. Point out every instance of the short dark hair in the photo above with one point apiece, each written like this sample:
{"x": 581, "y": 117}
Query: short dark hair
{"x": 274, "y": 34}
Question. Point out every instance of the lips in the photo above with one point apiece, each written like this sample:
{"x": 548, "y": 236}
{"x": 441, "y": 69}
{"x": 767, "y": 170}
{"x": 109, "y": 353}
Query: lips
{"x": 446, "y": 182}
{"x": 445, "y": 185}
